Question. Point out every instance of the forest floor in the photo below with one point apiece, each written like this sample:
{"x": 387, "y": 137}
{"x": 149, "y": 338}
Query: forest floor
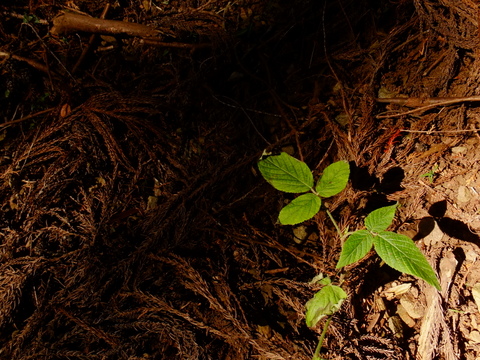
{"x": 134, "y": 222}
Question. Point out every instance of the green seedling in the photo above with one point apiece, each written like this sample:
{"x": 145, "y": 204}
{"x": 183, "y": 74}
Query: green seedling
{"x": 431, "y": 174}
{"x": 398, "y": 251}
{"x": 30, "y": 18}
{"x": 287, "y": 174}
{"x": 324, "y": 303}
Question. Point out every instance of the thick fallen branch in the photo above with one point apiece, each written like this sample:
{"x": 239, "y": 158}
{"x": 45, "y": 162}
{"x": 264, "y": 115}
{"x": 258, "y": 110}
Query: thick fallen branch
{"x": 69, "y": 22}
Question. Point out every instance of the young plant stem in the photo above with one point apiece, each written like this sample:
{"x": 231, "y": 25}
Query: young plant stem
{"x": 334, "y": 224}
{"x": 316, "y": 354}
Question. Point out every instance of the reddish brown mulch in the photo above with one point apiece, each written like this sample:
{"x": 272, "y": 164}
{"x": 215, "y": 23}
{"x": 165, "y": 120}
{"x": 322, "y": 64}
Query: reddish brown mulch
{"x": 135, "y": 224}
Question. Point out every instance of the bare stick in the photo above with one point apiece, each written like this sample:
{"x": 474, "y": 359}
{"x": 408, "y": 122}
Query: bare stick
{"x": 8, "y": 123}
{"x": 90, "y": 42}
{"x": 32, "y": 63}
{"x": 423, "y": 104}
{"x": 70, "y": 22}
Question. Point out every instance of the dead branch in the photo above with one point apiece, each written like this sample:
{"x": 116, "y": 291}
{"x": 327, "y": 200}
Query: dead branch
{"x": 35, "y": 64}
{"x": 8, "y": 123}
{"x": 90, "y": 41}
{"x": 422, "y": 104}
{"x": 69, "y": 22}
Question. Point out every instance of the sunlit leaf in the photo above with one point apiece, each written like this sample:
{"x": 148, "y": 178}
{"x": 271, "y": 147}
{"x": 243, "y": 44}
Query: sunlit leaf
{"x": 300, "y": 209}
{"x": 285, "y": 173}
{"x": 380, "y": 219}
{"x": 325, "y": 302}
{"x": 355, "y": 247}
{"x": 401, "y": 253}
{"x": 334, "y": 179}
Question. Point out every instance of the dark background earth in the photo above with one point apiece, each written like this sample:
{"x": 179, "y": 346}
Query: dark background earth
{"x": 134, "y": 223}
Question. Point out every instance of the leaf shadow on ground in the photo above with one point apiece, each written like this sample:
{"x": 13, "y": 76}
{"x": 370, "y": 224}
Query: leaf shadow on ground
{"x": 378, "y": 189}
{"x": 451, "y": 227}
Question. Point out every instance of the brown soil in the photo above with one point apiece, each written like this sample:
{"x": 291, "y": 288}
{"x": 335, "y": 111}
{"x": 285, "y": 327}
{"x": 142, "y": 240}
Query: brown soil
{"x": 134, "y": 223}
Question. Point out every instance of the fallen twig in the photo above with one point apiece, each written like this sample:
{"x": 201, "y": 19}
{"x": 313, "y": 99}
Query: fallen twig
{"x": 69, "y": 22}
{"x": 90, "y": 42}
{"x": 35, "y": 64}
{"x": 8, "y": 123}
{"x": 422, "y": 104}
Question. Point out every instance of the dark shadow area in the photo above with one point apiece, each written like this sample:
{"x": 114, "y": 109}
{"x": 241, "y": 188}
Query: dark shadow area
{"x": 438, "y": 209}
{"x": 392, "y": 180}
{"x": 362, "y": 180}
{"x": 451, "y": 227}
{"x": 460, "y": 256}
{"x": 457, "y": 229}
{"x": 425, "y": 227}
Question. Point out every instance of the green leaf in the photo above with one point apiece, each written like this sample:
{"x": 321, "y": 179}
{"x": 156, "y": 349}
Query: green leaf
{"x": 325, "y": 281}
{"x": 325, "y": 302}
{"x": 380, "y": 219}
{"x": 356, "y": 247}
{"x": 401, "y": 253}
{"x": 285, "y": 173}
{"x": 300, "y": 209}
{"x": 334, "y": 179}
